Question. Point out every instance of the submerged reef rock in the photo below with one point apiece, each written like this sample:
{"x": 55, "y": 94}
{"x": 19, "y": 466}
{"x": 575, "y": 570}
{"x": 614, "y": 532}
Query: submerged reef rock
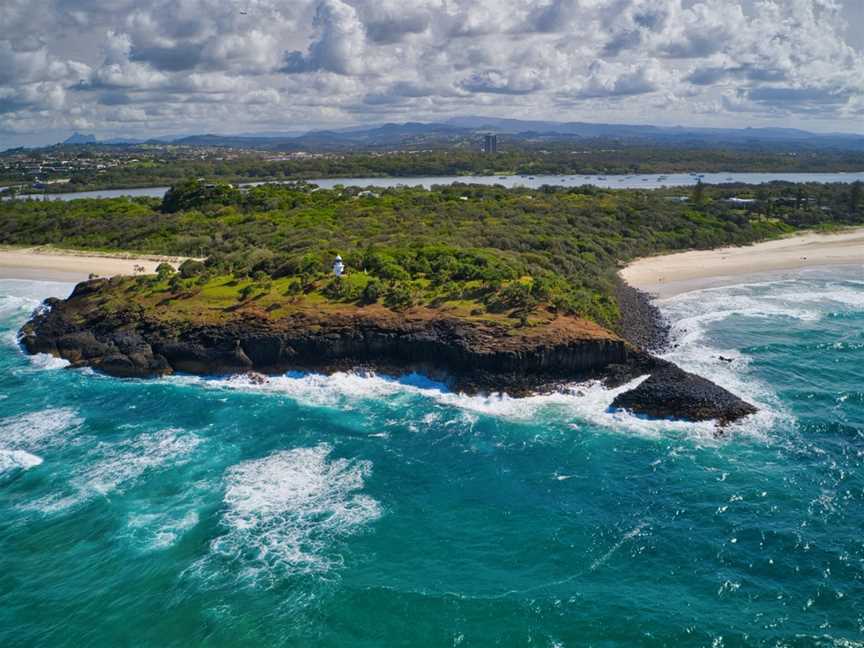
{"x": 101, "y": 325}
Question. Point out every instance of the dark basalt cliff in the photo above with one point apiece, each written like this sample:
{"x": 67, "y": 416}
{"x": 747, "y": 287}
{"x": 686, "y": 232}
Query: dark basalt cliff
{"x": 474, "y": 357}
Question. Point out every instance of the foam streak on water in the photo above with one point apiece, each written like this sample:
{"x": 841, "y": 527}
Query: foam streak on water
{"x": 110, "y": 467}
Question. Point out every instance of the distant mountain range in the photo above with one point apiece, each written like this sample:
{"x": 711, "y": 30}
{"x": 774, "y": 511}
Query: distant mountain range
{"x": 78, "y": 138}
{"x": 465, "y": 132}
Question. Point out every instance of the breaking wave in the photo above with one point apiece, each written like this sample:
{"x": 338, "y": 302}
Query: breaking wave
{"x": 284, "y": 511}
{"x": 692, "y": 316}
{"x": 581, "y": 404}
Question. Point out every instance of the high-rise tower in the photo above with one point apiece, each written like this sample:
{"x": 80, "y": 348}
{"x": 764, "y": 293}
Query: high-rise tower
{"x": 490, "y": 143}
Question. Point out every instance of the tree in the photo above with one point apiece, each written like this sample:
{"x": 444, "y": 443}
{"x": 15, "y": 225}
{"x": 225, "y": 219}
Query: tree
{"x": 196, "y": 194}
{"x": 191, "y": 268}
{"x": 799, "y": 197}
{"x": 856, "y": 196}
{"x": 164, "y": 271}
{"x": 699, "y": 194}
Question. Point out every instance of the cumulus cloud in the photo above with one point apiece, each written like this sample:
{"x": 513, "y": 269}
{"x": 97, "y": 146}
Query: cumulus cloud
{"x": 339, "y": 46}
{"x": 126, "y": 66}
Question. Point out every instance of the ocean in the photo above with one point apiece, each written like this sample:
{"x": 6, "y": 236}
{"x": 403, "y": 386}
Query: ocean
{"x": 358, "y": 510}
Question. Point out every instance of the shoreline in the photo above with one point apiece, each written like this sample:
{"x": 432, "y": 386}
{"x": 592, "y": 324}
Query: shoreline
{"x": 45, "y": 263}
{"x": 672, "y": 274}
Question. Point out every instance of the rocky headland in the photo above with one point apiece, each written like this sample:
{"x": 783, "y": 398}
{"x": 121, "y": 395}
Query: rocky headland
{"x": 472, "y": 356}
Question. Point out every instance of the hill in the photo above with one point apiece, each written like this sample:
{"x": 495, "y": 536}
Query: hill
{"x": 459, "y": 130}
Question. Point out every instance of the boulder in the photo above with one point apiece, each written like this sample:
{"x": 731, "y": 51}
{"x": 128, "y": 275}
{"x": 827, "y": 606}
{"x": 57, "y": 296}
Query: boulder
{"x": 672, "y": 393}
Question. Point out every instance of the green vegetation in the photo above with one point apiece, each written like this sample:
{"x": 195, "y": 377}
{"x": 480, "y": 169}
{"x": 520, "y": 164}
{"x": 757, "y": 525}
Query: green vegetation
{"x": 488, "y": 252}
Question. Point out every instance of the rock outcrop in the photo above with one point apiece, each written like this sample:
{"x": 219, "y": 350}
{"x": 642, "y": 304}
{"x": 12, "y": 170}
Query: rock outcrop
{"x": 672, "y": 393}
{"x": 473, "y": 356}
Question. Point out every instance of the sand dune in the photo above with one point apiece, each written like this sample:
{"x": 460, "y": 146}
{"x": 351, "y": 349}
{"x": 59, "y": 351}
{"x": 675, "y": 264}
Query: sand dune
{"x": 51, "y": 264}
{"x": 672, "y": 274}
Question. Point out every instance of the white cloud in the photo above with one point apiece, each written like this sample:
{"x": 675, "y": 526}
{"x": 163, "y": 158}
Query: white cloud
{"x": 193, "y": 65}
{"x": 339, "y": 46}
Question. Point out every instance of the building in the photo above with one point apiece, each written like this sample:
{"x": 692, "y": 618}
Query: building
{"x": 490, "y": 143}
{"x": 338, "y": 266}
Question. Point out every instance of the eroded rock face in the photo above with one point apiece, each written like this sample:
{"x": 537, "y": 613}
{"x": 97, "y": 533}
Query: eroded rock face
{"x": 672, "y": 393}
{"x": 473, "y": 357}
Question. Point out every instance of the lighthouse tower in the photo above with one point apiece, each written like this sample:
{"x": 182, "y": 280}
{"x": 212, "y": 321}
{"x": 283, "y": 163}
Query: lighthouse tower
{"x": 338, "y": 266}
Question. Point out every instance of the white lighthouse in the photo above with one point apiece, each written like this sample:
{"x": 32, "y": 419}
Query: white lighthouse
{"x": 338, "y": 266}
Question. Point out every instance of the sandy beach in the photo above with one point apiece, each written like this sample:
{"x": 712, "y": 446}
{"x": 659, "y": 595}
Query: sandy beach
{"x": 672, "y": 274}
{"x": 51, "y": 264}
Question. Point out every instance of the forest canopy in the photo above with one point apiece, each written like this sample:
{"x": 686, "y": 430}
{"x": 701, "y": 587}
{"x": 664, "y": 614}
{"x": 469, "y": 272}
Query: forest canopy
{"x": 495, "y": 249}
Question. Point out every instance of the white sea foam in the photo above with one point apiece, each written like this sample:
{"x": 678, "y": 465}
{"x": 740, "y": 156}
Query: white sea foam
{"x": 157, "y": 523}
{"x": 13, "y": 460}
{"x": 19, "y": 298}
{"x": 795, "y": 299}
{"x": 37, "y": 429}
{"x": 47, "y": 361}
{"x": 16, "y": 306}
{"x": 124, "y": 462}
{"x": 577, "y": 403}
{"x": 116, "y": 465}
{"x": 694, "y": 314}
{"x": 161, "y": 530}
{"x": 285, "y": 510}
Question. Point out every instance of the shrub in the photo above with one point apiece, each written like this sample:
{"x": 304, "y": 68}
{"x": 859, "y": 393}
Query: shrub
{"x": 398, "y": 296}
{"x": 191, "y": 268}
{"x": 371, "y": 293}
{"x": 294, "y": 288}
{"x": 334, "y": 289}
{"x": 516, "y": 295}
{"x": 246, "y": 291}
{"x": 175, "y": 284}
{"x": 164, "y": 271}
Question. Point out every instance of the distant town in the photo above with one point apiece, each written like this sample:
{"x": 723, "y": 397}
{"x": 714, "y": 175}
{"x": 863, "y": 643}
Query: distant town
{"x": 479, "y": 147}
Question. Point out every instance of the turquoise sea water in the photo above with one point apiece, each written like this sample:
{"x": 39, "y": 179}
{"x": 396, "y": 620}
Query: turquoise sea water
{"x": 359, "y": 511}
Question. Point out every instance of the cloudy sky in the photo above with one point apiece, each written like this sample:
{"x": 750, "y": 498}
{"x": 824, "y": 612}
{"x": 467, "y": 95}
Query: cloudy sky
{"x": 154, "y": 67}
